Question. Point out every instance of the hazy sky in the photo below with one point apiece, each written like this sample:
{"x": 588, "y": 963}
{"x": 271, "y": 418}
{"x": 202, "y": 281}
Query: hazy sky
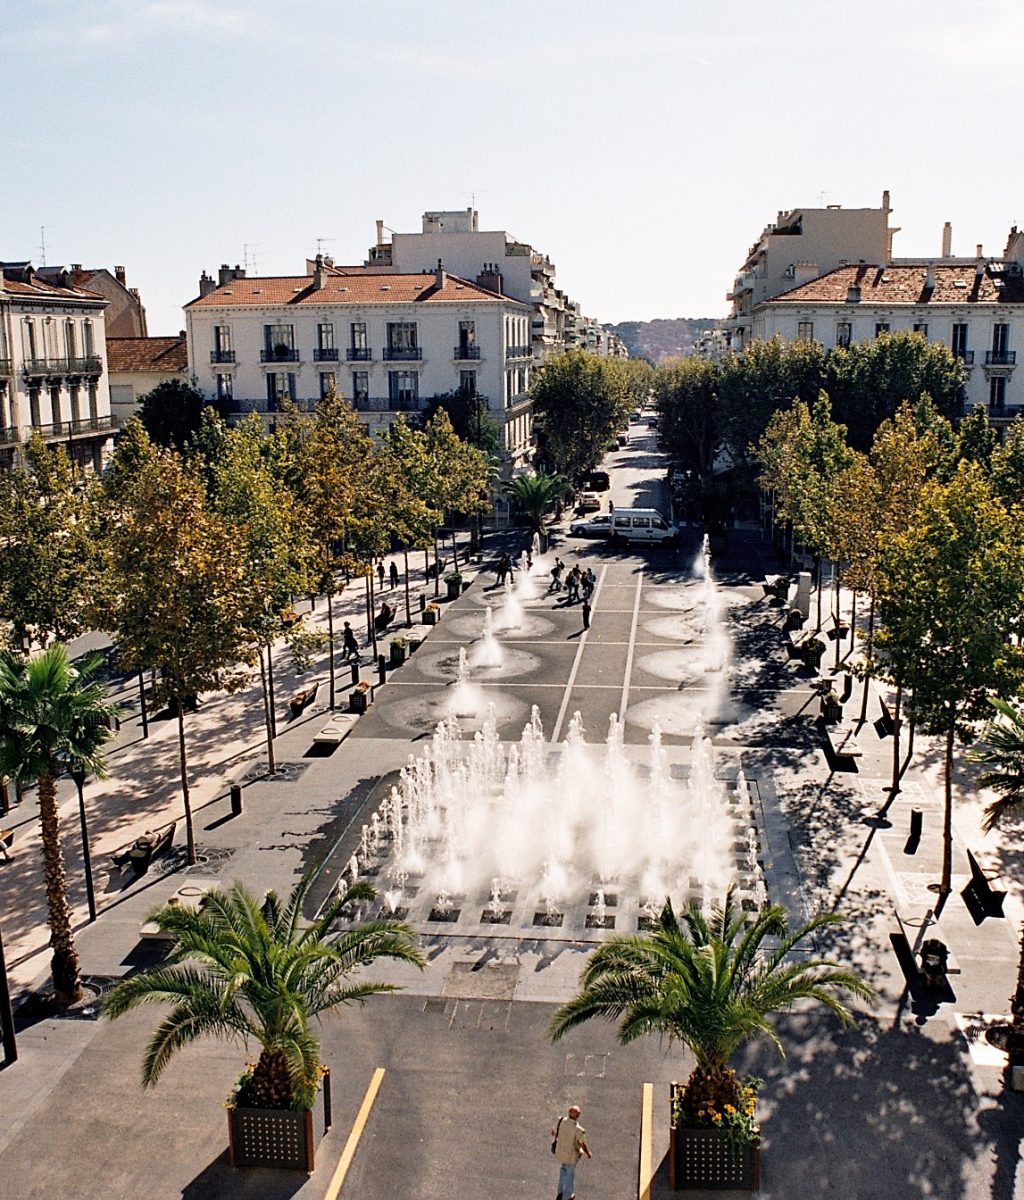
{"x": 642, "y": 145}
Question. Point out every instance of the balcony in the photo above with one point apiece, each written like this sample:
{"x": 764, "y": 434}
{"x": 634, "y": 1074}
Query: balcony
{"x": 466, "y": 353}
{"x": 71, "y": 429}
{"x": 279, "y": 354}
{"x": 359, "y": 354}
{"x": 518, "y": 352}
{"x": 964, "y": 356}
{"x": 402, "y": 353}
{"x": 325, "y": 354}
{"x": 383, "y": 404}
{"x": 42, "y": 367}
{"x": 222, "y": 356}
{"x": 1000, "y": 358}
{"x": 5, "y": 366}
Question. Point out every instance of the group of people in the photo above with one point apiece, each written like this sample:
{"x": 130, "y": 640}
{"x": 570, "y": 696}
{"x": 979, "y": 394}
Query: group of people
{"x": 391, "y": 574}
{"x": 578, "y": 584}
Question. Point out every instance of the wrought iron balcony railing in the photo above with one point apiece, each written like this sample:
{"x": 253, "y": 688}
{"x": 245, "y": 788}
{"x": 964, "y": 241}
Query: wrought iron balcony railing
{"x": 402, "y": 353}
{"x": 359, "y": 353}
{"x": 279, "y": 354}
{"x": 325, "y": 354}
{"x": 1000, "y": 358}
{"x": 467, "y": 352}
{"x": 222, "y": 356}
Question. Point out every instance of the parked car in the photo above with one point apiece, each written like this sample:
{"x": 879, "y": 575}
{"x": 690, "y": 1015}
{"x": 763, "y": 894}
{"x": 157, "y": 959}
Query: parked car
{"x": 588, "y": 502}
{"x": 635, "y": 417}
{"x": 652, "y": 422}
{"x": 597, "y": 481}
{"x": 599, "y": 526}
{"x": 644, "y": 525}
{"x": 623, "y": 439}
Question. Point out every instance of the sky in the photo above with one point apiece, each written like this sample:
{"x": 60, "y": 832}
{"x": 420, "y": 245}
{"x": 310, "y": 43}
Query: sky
{"x": 642, "y": 146}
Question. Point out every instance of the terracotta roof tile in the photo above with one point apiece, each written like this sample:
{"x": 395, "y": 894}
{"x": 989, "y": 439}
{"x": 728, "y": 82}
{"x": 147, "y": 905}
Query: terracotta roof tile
{"x": 163, "y": 354}
{"x": 344, "y": 289}
{"x": 42, "y": 291}
{"x": 905, "y": 284}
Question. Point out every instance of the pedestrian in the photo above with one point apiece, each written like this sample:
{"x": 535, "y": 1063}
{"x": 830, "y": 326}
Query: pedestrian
{"x": 556, "y": 575}
{"x": 589, "y": 583}
{"x": 394, "y": 574}
{"x": 529, "y": 557}
{"x": 586, "y": 612}
{"x": 349, "y": 644}
{"x": 504, "y": 566}
{"x": 568, "y": 1147}
{"x": 380, "y": 571}
{"x": 572, "y": 585}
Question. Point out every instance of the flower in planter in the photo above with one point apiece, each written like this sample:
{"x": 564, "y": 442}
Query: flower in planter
{"x": 362, "y": 686}
{"x": 239, "y": 969}
{"x": 711, "y": 982}
{"x": 453, "y": 577}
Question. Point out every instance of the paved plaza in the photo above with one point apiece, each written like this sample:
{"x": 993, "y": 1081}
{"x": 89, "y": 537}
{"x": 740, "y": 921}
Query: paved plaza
{"x": 909, "y": 1103}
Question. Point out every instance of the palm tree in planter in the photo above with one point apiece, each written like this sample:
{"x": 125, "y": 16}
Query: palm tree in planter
{"x": 534, "y": 494}
{"x": 243, "y": 970}
{"x": 1002, "y": 751}
{"x": 54, "y": 717}
{"x": 710, "y": 981}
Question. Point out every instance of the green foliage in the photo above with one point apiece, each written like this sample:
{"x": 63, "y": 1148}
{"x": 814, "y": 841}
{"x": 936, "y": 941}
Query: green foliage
{"x": 976, "y": 439}
{"x": 691, "y": 418}
{"x": 1008, "y": 466}
{"x": 460, "y": 474}
{"x": 171, "y": 413}
{"x": 470, "y": 415}
{"x": 49, "y": 557}
{"x": 711, "y": 982}
{"x": 241, "y": 970}
{"x": 534, "y": 494}
{"x": 1002, "y": 751}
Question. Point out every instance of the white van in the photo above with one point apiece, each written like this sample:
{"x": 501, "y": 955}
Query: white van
{"x": 645, "y": 525}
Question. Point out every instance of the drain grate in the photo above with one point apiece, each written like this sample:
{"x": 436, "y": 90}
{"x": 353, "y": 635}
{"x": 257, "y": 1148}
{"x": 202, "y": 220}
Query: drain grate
{"x": 439, "y": 1006}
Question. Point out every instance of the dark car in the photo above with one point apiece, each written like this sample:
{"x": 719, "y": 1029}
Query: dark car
{"x": 597, "y": 481}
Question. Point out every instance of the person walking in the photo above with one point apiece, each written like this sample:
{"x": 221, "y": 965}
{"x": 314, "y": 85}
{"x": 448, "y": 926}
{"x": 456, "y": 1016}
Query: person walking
{"x": 349, "y": 644}
{"x": 568, "y": 1147}
{"x": 556, "y": 575}
{"x": 588, "y": 583}
{"x": 572, "y": 584}
{"x": 380, "y": 571}
{"x": 393, "y": 573}
{"x": 504, "y": 566}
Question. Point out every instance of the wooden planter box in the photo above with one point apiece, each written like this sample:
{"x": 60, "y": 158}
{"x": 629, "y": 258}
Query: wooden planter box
{"x": 703, "y": 1159}
{"x": 270, "y": 1137}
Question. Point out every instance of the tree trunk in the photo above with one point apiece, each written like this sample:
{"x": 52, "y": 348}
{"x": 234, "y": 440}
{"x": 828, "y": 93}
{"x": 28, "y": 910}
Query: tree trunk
{"x": 1015, "y": 1046}
{"x": 270, "y": 691}
{"x": 330, "y": 644}
{"x": 437, "y": 568}
{"x": 835, "y": 623}
{"x": 65, "y": 964}
{"x": 897, "y": 709}
{"x": 190, "y": 834}
{"x": 373, "y": 611}
{"x": 868, "y": 647}
{"x": 946, "y": 883}
{"x": 271, "y": 765}
{"x": 142, "y": 705}
{"x": 271, "y": 1080}
{"x": 408, "y": 606}
{"x": 817, "y": 580}
{"x": 455, "y": 550}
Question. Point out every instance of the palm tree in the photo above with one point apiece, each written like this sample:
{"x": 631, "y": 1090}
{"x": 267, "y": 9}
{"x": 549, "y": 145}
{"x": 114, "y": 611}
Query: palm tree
{"x": 710, "y": 982}
{"x": 1002, "y": 749}
{"x": 53, "y": 717}
{"x": 534, "y": 493}
{"x": 244, "y": 970}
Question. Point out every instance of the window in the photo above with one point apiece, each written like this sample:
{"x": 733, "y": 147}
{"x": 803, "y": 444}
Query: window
{"x": 28, "y": 339}
{"x": 959, "y": 342}
{"x": 69, "y": 339}
{"x": 805, "y": 331}
{"x": 358, "y": 331}
{"x": 467, "y": 339}
{"x": 278, "y": 342}
{"x": 225, "y": 387}
{"x": 844, "y": 332}
{"x": 55, "y": 403}
{"x": 88, "y": 341}
{"x": 403, "y": 388}
{"x": 921, "y": 328}
{"x": 280, "y": 386}
{"x": 33, "y": 406}
{"x": 360, "y": 386}
{"x": 75, "y": 390}
{"x": 94, "y": 400}
{"x": 326, "y": 384}
{"x": 222, "y": 339}
{"x": 641, "y": 522}
{"x": 325, "y": 336}
{"x": 402, "y": 337}
{"x": 1000, "y": 341}
{"x": 997, "y": 394}
{"x": 881, "y": 327}
{"x": 467, "y": 383}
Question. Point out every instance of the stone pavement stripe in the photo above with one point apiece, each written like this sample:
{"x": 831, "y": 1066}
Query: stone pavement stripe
{"x": 576, "y": 664}
{"x": 632, "y": 641}
{"x": 646, "y": 1123}
{"x": 338, "y": 1178}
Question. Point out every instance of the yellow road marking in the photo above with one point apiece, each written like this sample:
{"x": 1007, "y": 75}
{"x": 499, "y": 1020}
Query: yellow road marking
{"x": 646, "y": 1122}
{"x": 349, "y": 1153}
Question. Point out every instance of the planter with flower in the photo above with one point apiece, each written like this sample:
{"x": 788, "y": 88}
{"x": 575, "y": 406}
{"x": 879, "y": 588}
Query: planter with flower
{"x": 241, "y": 970}
{"x": 399, "y": 647}
{"x": 453, "y": 582}
{"x": 811, "y": 652}
{"x": 709, "y": 981}
{"x": 359, "y": 697}
{"x": 431, "y": 614}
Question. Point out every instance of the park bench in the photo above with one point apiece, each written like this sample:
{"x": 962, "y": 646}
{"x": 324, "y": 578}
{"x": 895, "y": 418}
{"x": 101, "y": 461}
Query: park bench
{"x": 776, "y": 585}
{"x": 140, "y": 853}
{"x": 189, "y": 893}
{"x": 980, "y": 894}
{"x": 6, "y": 840}
{"x": 301, "y": 700}
{"x": 842, "y": 741}
{"x": 795, "y": 638}
{"x": 336, "y": 730}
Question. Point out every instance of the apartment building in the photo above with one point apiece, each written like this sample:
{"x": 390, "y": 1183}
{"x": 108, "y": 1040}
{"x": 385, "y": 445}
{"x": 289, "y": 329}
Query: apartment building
{"x": 386, "y": 340}
{"x": 53, "y": 374}
{"x": 975, "y": 306}
{"x": 124, "y": 315}
{"x": 800, "y": 245}
{"x": 135, "y": 365}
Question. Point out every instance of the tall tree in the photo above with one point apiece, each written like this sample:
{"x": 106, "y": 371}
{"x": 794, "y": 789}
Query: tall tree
{"x": 470, "y": 415}
{"x": 951, "y": 595}
{"x": 172, "y": 412}
{"x": 53, "y": 717}
{"x": 533, "y": 495}
{"x": 691, "y": 420}
{"x": 49, "y": 558}
{"x": 178, "y": 593}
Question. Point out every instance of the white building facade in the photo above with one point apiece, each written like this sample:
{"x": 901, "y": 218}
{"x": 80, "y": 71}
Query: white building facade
{"x": 973, "y": 306}
{"x": 53, "y": 370}
{"x": 386, "y": 341}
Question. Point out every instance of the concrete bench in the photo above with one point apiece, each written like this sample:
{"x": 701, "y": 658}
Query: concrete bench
{"x": 336, "y": 730}
{"x": 776, "y": 585}
{"x": 842, "y": 741}
{"x": 795, "y": 639}
{"x": 189, "y": 893}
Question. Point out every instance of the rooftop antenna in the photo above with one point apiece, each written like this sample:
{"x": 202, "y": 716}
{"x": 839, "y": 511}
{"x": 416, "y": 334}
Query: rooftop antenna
{"x": 821, "y": 199}
{"x": 249, "y": 256}
{"x": 42, "y": 242}
{"x": 320, "y": 243}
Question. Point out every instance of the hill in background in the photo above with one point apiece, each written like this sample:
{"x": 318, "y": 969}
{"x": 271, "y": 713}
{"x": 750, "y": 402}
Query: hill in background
{"x": 666, "y": 337}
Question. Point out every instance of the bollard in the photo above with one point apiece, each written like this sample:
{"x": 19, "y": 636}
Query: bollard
{"x": 5, "y": 797}
{"x": 423, "y": 603}
{"x": 586, "y": 614}
{"x": 355, "y": 672}
{"x": 382, "y": 668}
{"x": 236, "y": 799}
{"x": 916, "y": 820}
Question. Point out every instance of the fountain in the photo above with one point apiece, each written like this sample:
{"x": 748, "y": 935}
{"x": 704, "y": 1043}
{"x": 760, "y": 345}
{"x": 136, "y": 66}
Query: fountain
{"x": 487, "y": 653}
{"x": 466, "y": 697}
{"x": 512, "y": 609}
{"x": 526, "y": 589}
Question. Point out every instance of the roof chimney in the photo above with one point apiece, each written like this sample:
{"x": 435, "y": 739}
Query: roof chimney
{"x": 78, "y": 266}
{"x": 853, "y": 294}
{"x": 206, "y": 285}
{"x": 979, "y": 265}
{"x": 885, "y": 200}
{"x": 380, "y": 232}
{"x": 319, "y": 274}
{"x": 929, "y": 277}
{"x": 947, "y": 240}
{"x": 118, "y": 275}
{"x": 490, "y": 278}
{"x": 440, "y": 277}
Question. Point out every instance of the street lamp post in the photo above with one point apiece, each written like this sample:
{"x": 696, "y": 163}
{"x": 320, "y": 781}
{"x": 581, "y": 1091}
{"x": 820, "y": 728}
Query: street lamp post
{"x": 78, "y": 775}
